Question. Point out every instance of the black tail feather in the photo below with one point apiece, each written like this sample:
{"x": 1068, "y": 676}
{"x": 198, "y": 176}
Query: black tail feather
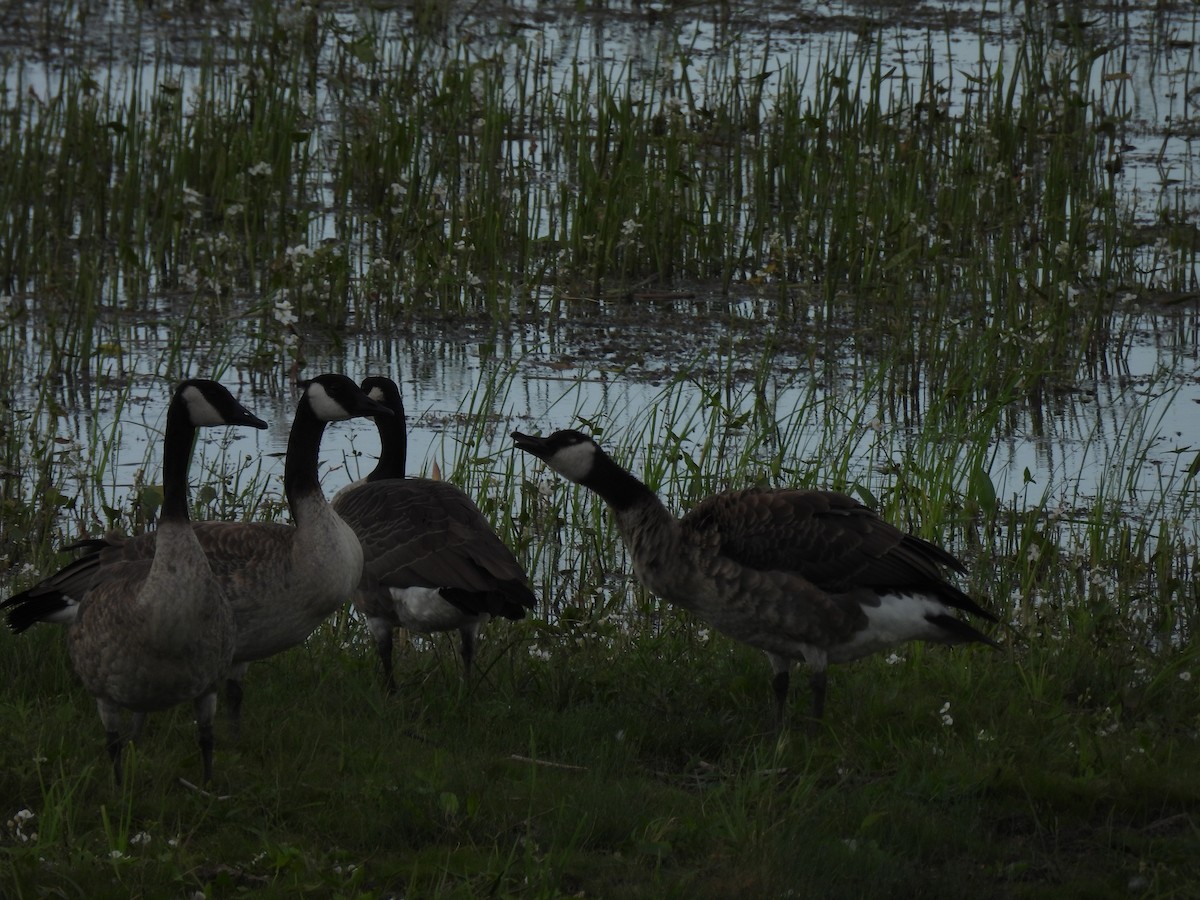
{"x": 27, "y": 609}
{"x": 952, "y": 596}
{"x": 959, "y": 632}
{"x": 510, "y": 601}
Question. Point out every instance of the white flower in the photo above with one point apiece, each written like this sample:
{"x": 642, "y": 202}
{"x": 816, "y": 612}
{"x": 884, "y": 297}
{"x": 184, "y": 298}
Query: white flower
{"x": 1185, "y": 676}
{"x": 947, "y": 719}
{"x": 17, "y": 826}
{"x": 894, "y": 658}
{"x": 234, "y": 209}
{"x": 140, "y": 838}
{"x": 115, "y": 854}
{"x": 262, "y": 169}
{"x": 283, "y": 313}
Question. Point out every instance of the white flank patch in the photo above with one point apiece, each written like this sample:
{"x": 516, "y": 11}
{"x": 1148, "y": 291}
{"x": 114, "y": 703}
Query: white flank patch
{"x": 64, "y": 616}
{"x": 425, "y": 610}
{"x": 897, "y": 618}
{"x": 574, "y": 462}
{"x": 201, "y": 412}
{"x": 325, "y": 407}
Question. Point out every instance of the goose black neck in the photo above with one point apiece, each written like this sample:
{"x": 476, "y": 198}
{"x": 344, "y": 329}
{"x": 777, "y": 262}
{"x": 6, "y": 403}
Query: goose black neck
{"x": 177, "y": 455}
{"x": 303, "y": 454}
{"x": 393, "y": 446}
{"x": 620, "y": 489}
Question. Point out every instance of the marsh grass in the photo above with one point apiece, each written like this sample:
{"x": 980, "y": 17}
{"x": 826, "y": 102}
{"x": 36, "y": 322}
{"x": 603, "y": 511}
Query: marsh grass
{"x": 364, "y": 172}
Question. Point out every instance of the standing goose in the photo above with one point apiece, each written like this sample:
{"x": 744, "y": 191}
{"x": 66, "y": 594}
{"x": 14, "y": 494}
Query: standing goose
{"x": 159, "y": 631}
{"x": 431, "y": 561}
{"x": 799, "y": 574}
{"x": 282, "y": 580}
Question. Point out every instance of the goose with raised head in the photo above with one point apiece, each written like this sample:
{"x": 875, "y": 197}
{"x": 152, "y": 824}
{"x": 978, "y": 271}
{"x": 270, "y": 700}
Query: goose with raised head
{"x": 800, "y": 574}
{"x": 160, "y": 631}
{"x": 282, "y": 580}
{"x": 431, "y": 560}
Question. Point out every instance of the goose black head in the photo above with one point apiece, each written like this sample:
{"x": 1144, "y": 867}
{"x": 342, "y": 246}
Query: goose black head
{"x": 210, "y": 403}
{"x": 334, "y": 398}
{"x": 383, "y": 390}
{"x": 570, "y": 453}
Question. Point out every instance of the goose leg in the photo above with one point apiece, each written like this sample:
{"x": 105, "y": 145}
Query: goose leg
{"x": 468, "y": 650}
{"x": 381, "y": 630}
{"x": 386, "y": 648}
{"x": 206, "y": 710}
{"x": 110, "y": 717}
{"x": 779, "y": 685}
{"x": 816, "y": 683}
{"x": 234, "y": 693}
{"x": 468, "y": 633}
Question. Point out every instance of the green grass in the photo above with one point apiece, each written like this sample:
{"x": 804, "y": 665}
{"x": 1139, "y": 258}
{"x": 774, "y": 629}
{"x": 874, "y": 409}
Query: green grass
{"x": 620, "y": 765}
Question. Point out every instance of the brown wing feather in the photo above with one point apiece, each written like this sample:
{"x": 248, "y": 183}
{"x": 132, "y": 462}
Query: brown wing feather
{"x": 243, "y": 555}
{"x": 829, "y": 539}
{"x": 424, "y": 533}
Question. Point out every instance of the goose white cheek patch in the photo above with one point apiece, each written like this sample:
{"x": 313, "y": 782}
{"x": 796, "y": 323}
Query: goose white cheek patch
{"x": 200, "y": 410}
{"x": 574, "y": 462}
{"x": 324, "y": 406}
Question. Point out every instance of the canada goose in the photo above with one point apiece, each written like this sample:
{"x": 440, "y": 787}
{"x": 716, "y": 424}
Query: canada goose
{"x": 799, "y": 574}
{"x": 282, "y": 580}
{"x": 159, "y": 631}
{"x": 431, "y": 561}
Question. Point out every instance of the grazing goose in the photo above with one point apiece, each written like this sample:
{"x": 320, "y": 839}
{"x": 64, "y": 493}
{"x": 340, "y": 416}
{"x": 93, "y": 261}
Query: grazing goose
{"x": 799, "y": 574}
{"x": 431, "y": 561}
{"x": 282, "y": 580}
{"x": 159, "y": 631}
